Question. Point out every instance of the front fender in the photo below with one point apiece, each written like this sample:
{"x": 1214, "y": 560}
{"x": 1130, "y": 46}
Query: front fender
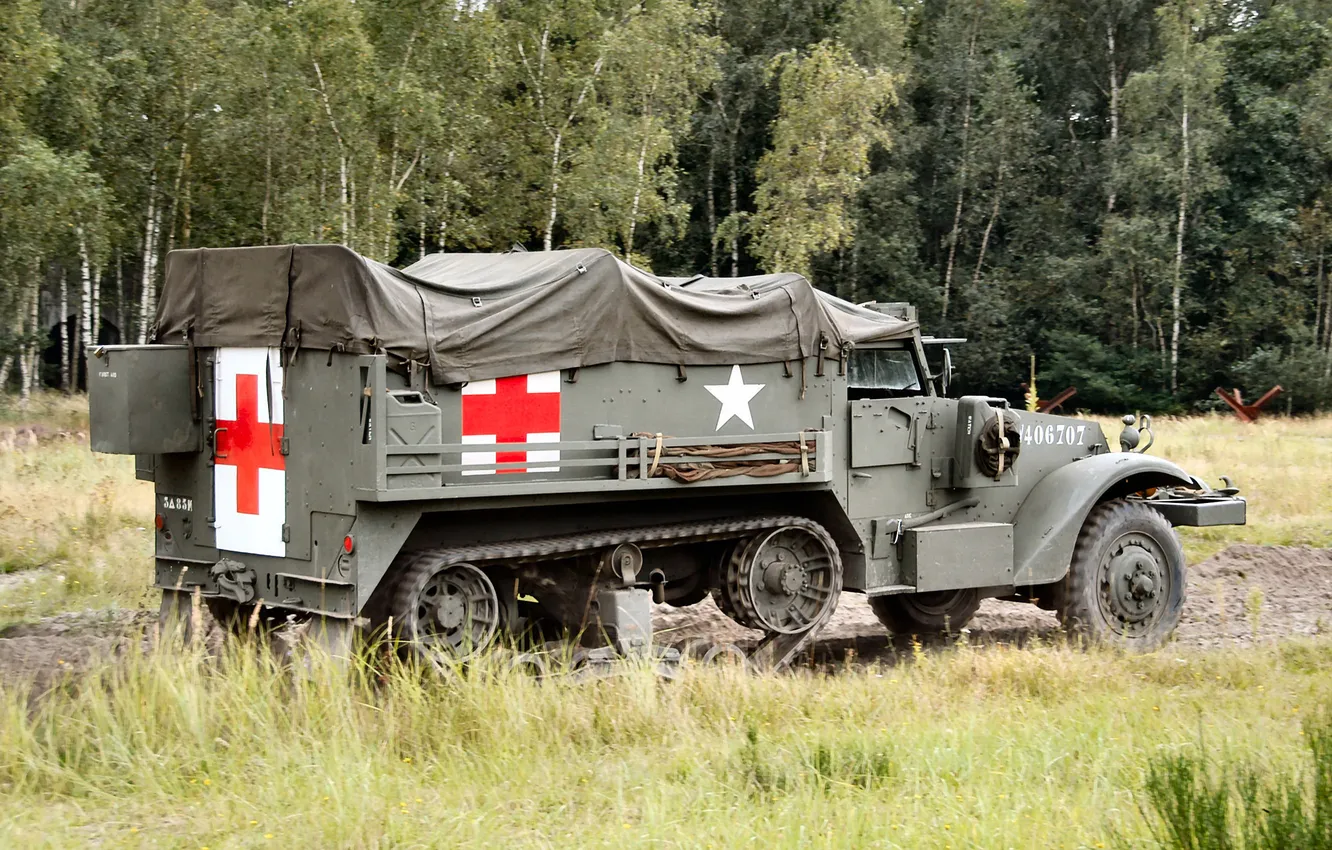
{"x": 1046, "y": 527}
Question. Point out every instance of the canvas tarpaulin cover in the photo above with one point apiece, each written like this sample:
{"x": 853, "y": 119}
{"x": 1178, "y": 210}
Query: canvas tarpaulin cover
{"x": 476, "y": 316}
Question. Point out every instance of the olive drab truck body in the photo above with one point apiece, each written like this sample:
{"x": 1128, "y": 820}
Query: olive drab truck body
{"x": 482, "y": 444}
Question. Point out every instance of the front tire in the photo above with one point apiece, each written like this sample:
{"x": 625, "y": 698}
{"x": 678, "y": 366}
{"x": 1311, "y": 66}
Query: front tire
{"x": 937, "y": 612}
{"x": 1126, "y": 584}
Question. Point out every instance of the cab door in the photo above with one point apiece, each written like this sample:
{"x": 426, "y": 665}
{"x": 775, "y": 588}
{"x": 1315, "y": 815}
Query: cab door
{"x": 891, "y": 448}
{"x": 892, "y": 432}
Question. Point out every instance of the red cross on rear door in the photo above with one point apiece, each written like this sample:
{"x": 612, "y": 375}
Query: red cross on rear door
{"x": 249, "y": 469}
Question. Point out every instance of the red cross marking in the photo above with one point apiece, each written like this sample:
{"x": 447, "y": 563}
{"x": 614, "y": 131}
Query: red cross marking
{"x": 248, "y": 444}
{"x": 511, "y": 413}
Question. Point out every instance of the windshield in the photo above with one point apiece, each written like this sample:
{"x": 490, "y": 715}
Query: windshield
{"x": 891, "y": 369}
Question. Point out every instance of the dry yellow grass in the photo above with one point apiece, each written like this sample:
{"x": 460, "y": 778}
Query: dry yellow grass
{"x": 1043, "y": 747}
{"x": 1282, "y": 465}
{"x": 74, "y": 526}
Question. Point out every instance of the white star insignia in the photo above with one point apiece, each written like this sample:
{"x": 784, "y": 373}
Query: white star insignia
{"x": 734, "y": 396}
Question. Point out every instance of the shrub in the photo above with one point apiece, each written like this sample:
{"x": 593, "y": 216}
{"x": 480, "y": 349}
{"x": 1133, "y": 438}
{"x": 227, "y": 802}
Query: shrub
{"x": 1193, "y": 804}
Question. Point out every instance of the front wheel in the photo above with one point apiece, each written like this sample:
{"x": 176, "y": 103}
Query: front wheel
{"x": 1126, "y": 585}
{"x": 935, "y": 612}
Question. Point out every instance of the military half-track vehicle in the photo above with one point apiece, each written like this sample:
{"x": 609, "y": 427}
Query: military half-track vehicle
{"x": 485, "y": 444}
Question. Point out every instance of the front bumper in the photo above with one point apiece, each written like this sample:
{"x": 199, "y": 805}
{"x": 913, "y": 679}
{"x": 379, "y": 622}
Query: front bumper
{"x": 1200, "y": 510}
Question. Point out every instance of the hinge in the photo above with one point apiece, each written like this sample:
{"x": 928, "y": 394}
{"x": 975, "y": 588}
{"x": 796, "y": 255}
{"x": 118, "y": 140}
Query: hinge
{"x": 286, "y": 533}
{"x": 285, "y": 448}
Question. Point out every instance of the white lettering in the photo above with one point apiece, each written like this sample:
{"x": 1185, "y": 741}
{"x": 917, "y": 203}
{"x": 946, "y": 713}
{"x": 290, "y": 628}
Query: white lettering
{"x": 1057, "y": 434}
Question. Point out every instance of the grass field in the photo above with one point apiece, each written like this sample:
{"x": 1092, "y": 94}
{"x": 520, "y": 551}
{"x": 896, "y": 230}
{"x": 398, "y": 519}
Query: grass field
{"x": 1041, "y": 747}
{"x": 1047, "y": 746}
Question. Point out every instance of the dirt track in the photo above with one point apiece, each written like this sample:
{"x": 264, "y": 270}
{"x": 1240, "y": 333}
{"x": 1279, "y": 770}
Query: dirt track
{"x": 1289, "y": 589}
{"x": 1244, "y": 594}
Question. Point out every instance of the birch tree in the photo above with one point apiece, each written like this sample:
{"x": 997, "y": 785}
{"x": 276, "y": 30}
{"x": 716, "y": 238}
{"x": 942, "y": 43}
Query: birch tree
{"x": 1006, "y": 136}
{"x": 831, "y": 115}
{"x": 962, "y": 47}
{"x": 42, "y": 195}
{"x": 656, "y": 67}
{"x": 451, "y": 152}
{"x": 1175, "y": 126}
{"x": 337, "y": 59}
{"x": 1316, "y": 218}
{"x": 560, "y": 51}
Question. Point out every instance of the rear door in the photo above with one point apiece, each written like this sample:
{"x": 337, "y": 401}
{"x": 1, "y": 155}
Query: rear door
{"x": 249, "y": 470}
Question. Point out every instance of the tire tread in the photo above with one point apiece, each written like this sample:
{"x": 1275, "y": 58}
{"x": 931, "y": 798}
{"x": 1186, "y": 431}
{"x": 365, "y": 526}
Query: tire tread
{"x": 1074, "y": 599}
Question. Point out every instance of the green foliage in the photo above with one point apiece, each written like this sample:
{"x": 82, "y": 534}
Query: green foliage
{"x": 1301, "y": 371}
{"x": 1107, "y": 377}
{"x": 1020, "y": 169}
{"x": 1194, "y": 810}
{"x": 1196, "y": 804}
{"x": 830, "y": 117}
{"x": 27, "y": 55}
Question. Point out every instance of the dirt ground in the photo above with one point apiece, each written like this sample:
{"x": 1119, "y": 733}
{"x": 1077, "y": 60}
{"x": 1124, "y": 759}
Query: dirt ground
{"x": 1245, "y": 594}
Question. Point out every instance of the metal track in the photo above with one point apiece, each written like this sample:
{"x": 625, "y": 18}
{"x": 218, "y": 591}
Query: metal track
{"x": 773, "y": 652}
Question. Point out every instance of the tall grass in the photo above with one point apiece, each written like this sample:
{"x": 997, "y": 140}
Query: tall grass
{"x": 1043, "y": 747}
{"x": 1199, "y": 804}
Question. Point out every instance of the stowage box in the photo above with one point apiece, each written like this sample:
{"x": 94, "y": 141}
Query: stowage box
{"x": 947, "y": 557}
{"x": 139, "y": 398}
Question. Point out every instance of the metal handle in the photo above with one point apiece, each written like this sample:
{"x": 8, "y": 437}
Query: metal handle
{"x": 916, "y": 422}
{"x": 217, "y": 431}
{"x": 861, "y": 475}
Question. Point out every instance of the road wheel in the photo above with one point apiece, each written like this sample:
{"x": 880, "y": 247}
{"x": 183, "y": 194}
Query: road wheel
{"x": 785, "y": 581}
{"x": 444, "y": 612}
{"x": 930, "y": 613}
{"x": 1126, "y": 583}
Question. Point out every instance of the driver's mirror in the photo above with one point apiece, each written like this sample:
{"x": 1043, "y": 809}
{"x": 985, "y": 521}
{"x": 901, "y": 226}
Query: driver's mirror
{"x": 946, "y": 376}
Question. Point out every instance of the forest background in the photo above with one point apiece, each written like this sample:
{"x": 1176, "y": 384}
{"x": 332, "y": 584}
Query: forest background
{"x": 1138, "y": 193}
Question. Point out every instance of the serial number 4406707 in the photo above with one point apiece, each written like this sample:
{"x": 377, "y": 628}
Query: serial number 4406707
{"x": 176, "y": 503}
